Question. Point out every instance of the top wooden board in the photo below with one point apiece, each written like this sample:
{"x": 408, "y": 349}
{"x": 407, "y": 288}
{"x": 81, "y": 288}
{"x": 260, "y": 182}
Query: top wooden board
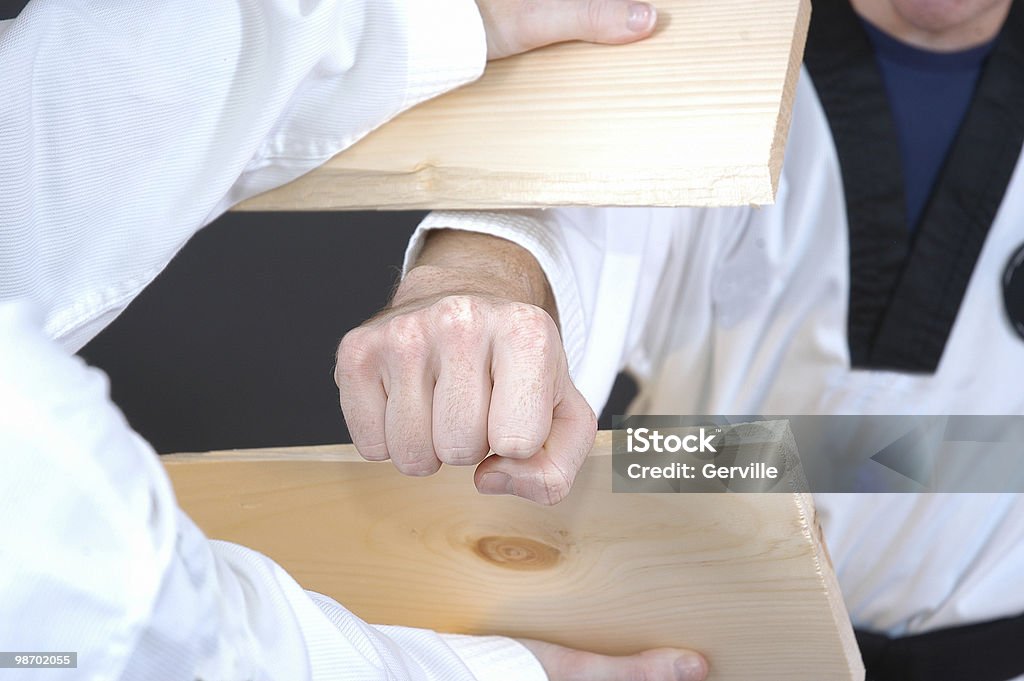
{"x": 697, "y": 115}
{"x": 744, "y": 578}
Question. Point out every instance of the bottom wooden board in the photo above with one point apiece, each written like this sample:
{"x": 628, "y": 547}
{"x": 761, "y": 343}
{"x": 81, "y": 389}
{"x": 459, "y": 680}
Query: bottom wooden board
{"x": 744, "y": 578}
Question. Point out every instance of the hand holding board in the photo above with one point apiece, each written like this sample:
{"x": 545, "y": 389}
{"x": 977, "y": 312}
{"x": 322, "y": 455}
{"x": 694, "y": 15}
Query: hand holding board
{"x": 696, "y": 115}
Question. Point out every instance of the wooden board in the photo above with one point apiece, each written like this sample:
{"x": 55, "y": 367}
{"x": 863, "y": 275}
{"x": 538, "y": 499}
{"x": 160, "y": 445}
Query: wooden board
{"x": 697, "y": 115}
{"x": 743, "y": 578}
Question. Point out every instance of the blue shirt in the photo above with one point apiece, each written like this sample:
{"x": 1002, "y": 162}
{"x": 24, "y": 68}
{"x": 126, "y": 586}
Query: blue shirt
{"x": 929, "y": 95}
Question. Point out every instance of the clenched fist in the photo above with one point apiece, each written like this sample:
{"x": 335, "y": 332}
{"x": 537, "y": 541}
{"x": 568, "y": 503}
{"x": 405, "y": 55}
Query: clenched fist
{"x": 515, "y": 26}
{"x": 449, "y": 380}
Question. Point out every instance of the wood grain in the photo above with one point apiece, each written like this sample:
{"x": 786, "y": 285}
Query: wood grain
{"x": 697, "y": 115}
{"x": 744, "y": 578}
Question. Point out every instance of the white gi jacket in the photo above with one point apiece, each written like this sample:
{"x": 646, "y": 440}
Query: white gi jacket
{"x": 125, "y": 127}
{"x": 744, "y": 311}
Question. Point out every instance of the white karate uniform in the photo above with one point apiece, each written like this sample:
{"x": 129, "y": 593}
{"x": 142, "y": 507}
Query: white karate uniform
{"x": 743, "y": 311}
{"x": 124, "y": 128}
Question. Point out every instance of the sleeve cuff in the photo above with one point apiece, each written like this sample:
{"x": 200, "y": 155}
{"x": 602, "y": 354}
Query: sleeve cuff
{"x": 528, "y": 231}
{"x": 495, "y": 658}
{"x": 447, "y": 47}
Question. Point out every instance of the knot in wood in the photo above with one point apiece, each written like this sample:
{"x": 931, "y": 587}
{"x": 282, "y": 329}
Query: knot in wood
{"x": 517, "y": 553}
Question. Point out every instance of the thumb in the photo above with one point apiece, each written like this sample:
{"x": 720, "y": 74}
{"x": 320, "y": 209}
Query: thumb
{"x": 660, "y": 664}
{"x": 536, "y": 24}
{"x": 547, "y": 476}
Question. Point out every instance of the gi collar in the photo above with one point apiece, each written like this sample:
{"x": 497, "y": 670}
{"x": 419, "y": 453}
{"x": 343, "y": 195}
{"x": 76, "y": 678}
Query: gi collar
{"x": 906, "y": 288}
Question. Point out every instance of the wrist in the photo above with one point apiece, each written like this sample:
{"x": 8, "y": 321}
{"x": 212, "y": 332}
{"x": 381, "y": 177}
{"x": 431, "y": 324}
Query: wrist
{"x": 425, "y": 284}
{"x": 476, "y": 263}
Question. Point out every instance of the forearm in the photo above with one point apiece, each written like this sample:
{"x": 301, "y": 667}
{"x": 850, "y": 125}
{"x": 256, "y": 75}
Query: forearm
{"x": 131, "y": 125}
{"x": 455, "y": 262}
{"x": 92, "y": 529}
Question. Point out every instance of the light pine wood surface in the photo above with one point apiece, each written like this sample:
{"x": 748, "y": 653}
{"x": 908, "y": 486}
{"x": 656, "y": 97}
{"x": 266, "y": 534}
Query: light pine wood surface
{"x": 744, "y": 578}
{"x": 697, "y": 115}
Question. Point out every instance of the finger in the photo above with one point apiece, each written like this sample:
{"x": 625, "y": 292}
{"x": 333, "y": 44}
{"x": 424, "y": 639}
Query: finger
{"x": 597, "y": 21}
{"x": 524, "y": 369}
{"x": 361, "y": 394}
{"x": 407, "y": 424}
{"x": 660, "y": 664}
{"x": 547, "y": 476}
{"x": 409, "y": 382}
{"x": 462, "y": 394}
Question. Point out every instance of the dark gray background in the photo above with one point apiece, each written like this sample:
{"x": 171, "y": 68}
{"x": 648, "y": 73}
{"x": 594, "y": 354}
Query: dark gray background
{"x": 233, "y": 345}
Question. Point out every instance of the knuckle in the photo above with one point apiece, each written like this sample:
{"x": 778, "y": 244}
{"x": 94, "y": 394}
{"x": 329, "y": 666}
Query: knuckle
{"x": 523, "y": 442}
{"x": 459, "y": 315}
{"x": 532, "y": 329}
{"x": 407, "y": 338}
{"x": 455, "y": 454}
{"x": 356, "y": 358}
{"x": 557, "y": 483}
{"x": 460, "y": 431}
{"x": 417, "y": 463}
{"x": 594, "y": 14}
{"x": 368, "y": 438}
{"x": 356, "y": 349}
{"x": 376, "y": 451}
{"x": 525, "y": 313}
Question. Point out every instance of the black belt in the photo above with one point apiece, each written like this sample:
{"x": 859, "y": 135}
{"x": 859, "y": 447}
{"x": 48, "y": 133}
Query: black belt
{"x": 988, "y": 651}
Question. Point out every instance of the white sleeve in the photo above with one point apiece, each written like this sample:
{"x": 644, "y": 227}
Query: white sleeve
{"x": 97, "y": 559}
{"x": 127, "y": 126}
{"x": 604, "y": 266}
